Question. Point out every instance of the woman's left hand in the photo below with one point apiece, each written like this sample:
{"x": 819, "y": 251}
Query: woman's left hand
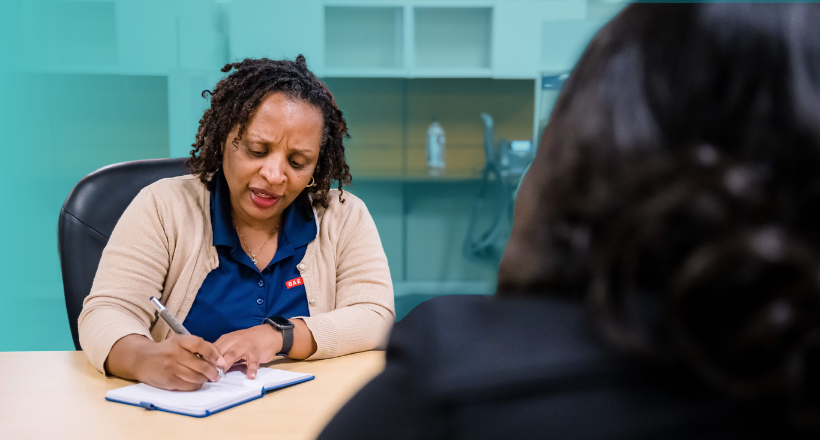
{"x": 256, "y": 345}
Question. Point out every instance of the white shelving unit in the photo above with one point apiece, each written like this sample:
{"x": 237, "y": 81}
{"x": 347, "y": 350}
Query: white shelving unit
{"x": 408, "y": 41}
{"x": 451, "y": 38}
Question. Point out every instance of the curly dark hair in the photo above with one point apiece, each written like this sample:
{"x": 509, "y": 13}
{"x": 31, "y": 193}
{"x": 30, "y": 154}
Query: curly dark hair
{"x": 676, "y": 190}
{"x": 236, "y": 97}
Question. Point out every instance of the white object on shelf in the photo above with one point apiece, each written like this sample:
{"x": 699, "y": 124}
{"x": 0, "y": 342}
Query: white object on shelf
{"x": 435, "y": 146}
{"x": 520, "y": 145}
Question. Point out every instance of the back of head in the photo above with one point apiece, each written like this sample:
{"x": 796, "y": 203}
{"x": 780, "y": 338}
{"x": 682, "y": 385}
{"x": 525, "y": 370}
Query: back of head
{"x": 677, "y": 189}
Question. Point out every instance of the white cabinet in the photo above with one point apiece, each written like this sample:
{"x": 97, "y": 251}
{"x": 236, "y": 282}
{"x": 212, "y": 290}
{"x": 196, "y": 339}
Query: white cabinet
{"x": 407, "y": 41}
{"x": 413, "y": 39}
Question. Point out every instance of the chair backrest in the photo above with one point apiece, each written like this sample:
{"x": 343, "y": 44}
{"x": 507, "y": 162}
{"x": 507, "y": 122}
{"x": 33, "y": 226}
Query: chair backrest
{"x": 88, "y": 217}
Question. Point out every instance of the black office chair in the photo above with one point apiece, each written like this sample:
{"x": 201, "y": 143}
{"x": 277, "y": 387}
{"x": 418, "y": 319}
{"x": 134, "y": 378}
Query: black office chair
{"x": 88, "y": 217}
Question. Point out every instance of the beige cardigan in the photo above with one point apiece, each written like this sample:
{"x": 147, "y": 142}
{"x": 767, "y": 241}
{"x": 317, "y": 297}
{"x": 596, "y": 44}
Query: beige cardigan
{"x": 163, "y": 246}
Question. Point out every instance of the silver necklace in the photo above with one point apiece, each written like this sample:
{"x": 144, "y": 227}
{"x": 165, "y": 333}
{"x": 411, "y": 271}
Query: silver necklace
{"x": 253, "y": 255}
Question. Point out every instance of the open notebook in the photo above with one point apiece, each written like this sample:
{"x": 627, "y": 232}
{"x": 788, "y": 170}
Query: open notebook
{"x": 234, "y": 389}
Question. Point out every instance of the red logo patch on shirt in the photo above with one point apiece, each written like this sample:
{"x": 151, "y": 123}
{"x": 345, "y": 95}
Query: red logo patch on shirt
{"x": 294, "y": 282}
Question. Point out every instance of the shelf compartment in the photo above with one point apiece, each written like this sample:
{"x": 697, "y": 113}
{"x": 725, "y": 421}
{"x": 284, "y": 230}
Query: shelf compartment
{"x": 363, "y": 37}
{"x": 453, "y": 37}
{"x": 388, "y": 120}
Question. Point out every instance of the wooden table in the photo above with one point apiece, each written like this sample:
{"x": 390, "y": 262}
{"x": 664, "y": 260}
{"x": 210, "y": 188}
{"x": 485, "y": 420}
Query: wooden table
{"x": 59, "y": 395}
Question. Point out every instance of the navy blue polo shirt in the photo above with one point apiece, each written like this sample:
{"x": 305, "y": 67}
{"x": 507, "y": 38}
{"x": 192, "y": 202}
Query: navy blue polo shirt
{"x": 236, "y": 295}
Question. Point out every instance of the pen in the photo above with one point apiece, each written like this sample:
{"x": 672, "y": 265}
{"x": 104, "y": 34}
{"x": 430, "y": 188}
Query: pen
{"x": 175, "y": 325}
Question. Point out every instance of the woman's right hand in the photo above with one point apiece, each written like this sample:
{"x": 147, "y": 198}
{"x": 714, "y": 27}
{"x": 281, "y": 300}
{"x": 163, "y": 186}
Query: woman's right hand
{"x": 172, "y": 364}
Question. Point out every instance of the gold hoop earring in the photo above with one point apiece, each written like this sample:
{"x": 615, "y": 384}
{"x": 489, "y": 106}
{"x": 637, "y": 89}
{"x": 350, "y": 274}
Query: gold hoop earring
{"x": 312, "y": 182}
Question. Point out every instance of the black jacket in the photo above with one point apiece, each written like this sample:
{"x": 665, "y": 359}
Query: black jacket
{"x": 491, "y": 368}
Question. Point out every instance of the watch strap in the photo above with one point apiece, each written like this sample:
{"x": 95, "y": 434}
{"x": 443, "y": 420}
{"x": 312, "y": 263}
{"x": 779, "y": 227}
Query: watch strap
{"x": 287, "y": 333}
{"x": 287, "y": 341}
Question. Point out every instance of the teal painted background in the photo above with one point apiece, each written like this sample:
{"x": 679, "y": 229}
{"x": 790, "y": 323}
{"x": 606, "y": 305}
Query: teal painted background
{"x": 90, "y": 83}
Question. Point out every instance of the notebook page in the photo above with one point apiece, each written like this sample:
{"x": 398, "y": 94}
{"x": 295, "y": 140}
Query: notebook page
{"x": 266, "y": 378}
{"x": 210, "y": 397}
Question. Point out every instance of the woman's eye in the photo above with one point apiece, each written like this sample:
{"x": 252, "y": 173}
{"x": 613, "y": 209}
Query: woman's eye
{"x": 257, "y": 153}
{"x": 296, "y": 164}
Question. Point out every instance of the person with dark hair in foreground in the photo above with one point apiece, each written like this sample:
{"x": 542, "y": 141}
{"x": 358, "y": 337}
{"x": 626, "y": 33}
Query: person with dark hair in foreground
{"x": 253, "y": 251}
{"x": 661, "y": 280}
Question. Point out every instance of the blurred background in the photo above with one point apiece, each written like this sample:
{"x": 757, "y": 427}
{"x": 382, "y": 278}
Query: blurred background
{"x": 90, "y": 83}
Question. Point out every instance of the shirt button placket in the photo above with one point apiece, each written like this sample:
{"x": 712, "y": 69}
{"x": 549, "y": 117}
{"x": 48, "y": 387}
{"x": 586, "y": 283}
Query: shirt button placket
{"x": 260, "y": 301}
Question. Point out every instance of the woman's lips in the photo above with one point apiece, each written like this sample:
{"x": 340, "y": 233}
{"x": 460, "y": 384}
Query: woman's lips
{"x": 263, "y": 200}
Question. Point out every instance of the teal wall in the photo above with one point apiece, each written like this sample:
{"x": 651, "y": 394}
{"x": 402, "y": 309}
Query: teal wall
{"x": 58, "y": 128}
{"x": 90, "y": 83}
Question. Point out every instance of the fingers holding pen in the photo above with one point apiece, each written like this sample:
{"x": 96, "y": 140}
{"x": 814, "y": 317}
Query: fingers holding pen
{"x": 184, "y": 341}
{"x": 188, "y": 379}
{"x": 210, "y": 354}
{"x": 173, "y": 364}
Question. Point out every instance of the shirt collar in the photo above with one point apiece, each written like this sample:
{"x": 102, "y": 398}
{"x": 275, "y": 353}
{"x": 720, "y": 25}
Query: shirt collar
{"x": 299, "y": 224}
{"x": 221, "y": 220}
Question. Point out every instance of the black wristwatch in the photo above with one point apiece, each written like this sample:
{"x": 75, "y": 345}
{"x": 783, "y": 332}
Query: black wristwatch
{"x": 286, "y": 327}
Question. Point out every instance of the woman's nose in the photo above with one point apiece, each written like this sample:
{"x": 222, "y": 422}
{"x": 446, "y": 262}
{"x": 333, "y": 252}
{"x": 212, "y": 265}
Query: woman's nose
{"x": 273, "y": 170}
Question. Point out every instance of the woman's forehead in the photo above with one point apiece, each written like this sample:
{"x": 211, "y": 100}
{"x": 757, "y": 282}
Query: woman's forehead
{"x": 283, "y": 110}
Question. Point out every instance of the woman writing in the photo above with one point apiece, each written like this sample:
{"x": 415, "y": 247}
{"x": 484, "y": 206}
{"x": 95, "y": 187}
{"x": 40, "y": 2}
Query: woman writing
{"x": 253, "y": 251}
